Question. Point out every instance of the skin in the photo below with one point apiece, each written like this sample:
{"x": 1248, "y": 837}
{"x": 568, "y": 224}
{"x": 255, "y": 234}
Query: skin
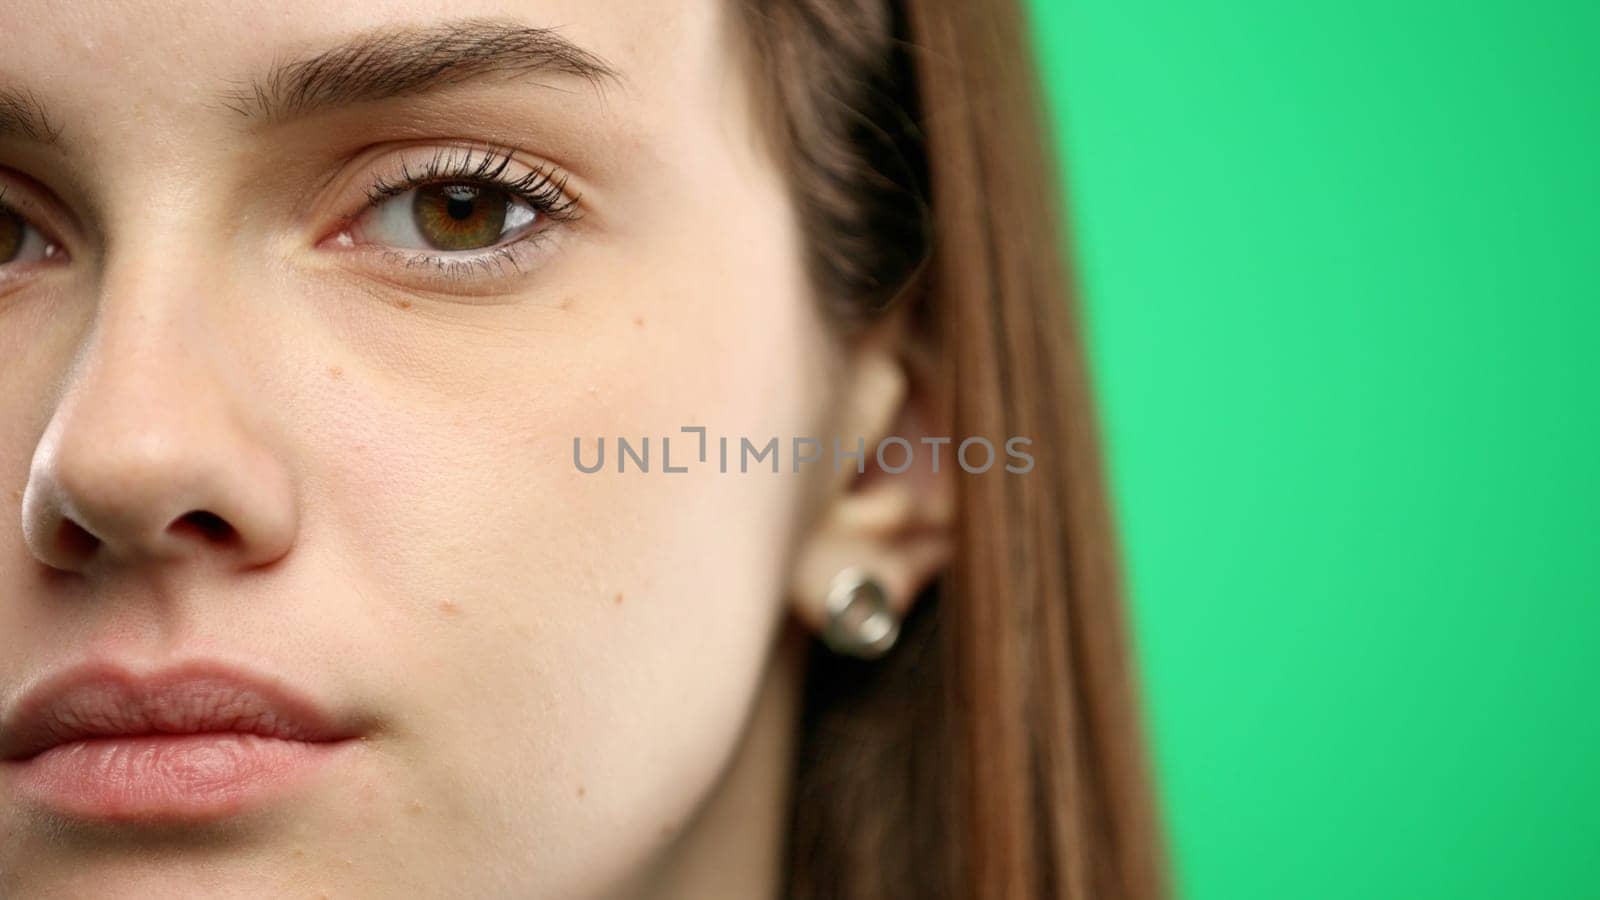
{"x": 572, "y": 685}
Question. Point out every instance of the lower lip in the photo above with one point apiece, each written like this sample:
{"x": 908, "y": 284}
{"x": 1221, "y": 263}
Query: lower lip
{"x": 190, "y": 777}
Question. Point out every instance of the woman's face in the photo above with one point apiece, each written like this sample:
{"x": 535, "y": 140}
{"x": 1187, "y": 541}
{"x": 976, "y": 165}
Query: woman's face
{"x": 281, "y": 429}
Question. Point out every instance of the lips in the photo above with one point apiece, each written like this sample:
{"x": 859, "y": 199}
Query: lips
{"x": 190, "y": 743}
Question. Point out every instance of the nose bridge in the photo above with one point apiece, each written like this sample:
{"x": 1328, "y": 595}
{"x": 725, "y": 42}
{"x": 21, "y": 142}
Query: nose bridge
{"x": 148, "y": 456}
{"x": 138, "y": 403}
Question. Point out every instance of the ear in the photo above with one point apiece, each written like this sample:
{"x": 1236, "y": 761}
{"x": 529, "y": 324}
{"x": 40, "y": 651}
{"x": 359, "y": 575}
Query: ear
{"x": 891, "y": 515}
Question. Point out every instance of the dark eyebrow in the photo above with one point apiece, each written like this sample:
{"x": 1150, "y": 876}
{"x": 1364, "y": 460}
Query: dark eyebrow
{"x": 21, "y": 116}
{"x": 393, "y": 63}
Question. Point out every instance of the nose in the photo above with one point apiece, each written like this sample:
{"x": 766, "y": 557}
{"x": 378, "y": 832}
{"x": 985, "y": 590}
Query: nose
{"x": 149, "y": 457}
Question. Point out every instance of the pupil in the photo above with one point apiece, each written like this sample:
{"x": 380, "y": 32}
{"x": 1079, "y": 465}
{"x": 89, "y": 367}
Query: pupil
{"x": 461, "y": 201}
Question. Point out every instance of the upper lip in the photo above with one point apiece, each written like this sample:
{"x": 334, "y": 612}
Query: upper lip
{"x": 106, "y": 700}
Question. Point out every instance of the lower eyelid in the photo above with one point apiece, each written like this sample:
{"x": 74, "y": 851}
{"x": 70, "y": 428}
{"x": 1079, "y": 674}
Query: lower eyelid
{"x": 466, "y": 257}
{"x": 487, "y": 271}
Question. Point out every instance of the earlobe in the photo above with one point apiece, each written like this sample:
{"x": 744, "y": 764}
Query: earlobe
{"x": 883, "y": 533}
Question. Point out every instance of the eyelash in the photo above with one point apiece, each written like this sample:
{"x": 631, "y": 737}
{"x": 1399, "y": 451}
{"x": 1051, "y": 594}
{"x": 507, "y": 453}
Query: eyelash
{"x": 544, "y": 190}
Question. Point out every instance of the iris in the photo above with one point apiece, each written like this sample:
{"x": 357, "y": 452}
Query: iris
{"x": 11, "y": 232}
{"x": 459, "y": 216}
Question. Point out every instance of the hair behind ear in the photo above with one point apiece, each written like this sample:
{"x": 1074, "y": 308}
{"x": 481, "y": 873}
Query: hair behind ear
{"x": 997, "y": 753}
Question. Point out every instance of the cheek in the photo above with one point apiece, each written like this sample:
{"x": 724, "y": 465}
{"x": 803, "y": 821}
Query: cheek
{"x": 565, "y": 621}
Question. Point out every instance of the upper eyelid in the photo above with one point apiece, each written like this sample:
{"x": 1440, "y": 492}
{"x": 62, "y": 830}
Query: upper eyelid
{"x": 36, "y": 206}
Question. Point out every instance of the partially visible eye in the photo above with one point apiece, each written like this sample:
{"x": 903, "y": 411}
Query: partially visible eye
{"x": 448, "y": 217}
{"x": 21, "y": 242}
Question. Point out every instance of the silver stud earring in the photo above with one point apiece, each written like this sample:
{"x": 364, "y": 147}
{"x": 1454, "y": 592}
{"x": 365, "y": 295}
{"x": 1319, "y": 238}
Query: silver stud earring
{"x": 860, "y": 622}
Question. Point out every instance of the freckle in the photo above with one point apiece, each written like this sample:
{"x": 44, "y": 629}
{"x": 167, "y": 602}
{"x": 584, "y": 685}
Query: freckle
{"x": 524, "y": 631}
{"x": 415, "y": 807}
{"x": 617, "y": 599}
{"x": 566, "y": 303}
{"x": 639, "y": 321}
{"x": 581, "y": 791}
{"x": 335, "y": 372}
{"x": 449, "y": 607}
{"x": 404, "y": 304}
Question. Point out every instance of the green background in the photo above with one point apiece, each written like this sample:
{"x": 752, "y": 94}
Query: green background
{"x": 1341, "y": 265}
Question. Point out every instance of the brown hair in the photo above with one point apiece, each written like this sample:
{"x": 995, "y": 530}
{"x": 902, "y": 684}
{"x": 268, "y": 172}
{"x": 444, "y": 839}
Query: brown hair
{"x": 997, "y": 752}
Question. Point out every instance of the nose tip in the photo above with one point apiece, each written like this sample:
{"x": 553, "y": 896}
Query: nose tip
{"x": 158, "y": 499}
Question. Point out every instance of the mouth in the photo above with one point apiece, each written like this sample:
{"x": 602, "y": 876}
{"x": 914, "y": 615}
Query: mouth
{"x": 194, "y": 743}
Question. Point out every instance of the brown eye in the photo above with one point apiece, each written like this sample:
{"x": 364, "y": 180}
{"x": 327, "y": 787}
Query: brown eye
{"x": 450, "y": 217}
{"x": 11, "y": 228}
{"x": 460, "y": 216}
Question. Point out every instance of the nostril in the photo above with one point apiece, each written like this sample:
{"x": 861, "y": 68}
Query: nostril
{"x": 75, "y": 539}
{"x": 209, "y": 526}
